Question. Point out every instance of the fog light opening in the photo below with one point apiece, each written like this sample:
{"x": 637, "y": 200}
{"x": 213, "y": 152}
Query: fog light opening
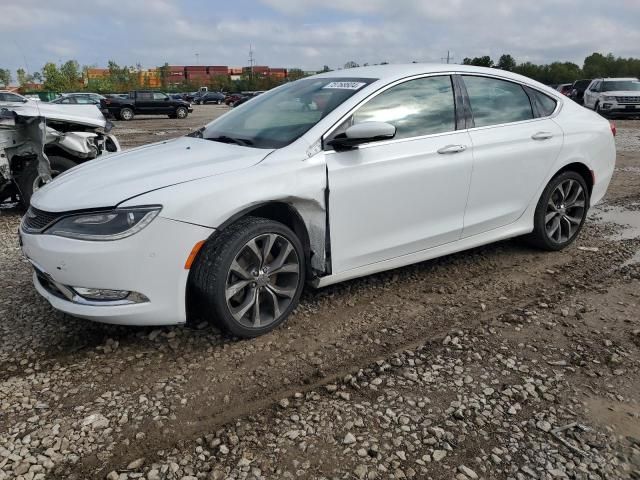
{"x": 109, "y": 295}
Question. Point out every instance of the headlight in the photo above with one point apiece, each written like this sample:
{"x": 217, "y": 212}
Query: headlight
{"x": 105, "y": 225}
{"x": 609, "y": 99}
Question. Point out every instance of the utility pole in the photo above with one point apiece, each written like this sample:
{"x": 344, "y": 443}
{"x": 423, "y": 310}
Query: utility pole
{"x": 448, "y": 58}
{"x": 251, "y": 61}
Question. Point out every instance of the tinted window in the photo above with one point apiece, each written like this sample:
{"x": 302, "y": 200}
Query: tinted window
{"x": 68, "y": 100}
{"x": 546, "y": 105}
{"x": 159, "y": 96}
{"x": 620, "y": 85}
{"x": 83, "y": 99}
{"x": 10, "y": 97}
{"x": 417, "y": 107}
{"x": 145, "y": 96}
{"x": 496, "y": 101}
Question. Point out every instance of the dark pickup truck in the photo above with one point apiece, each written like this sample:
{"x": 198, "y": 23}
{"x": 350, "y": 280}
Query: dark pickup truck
{"x": 144, "y": 103}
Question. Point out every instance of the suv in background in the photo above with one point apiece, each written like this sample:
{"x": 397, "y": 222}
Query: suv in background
{"x": 564, "y": 88}
{"x": 577, "y": 90}
{"x": 613, "y": 96}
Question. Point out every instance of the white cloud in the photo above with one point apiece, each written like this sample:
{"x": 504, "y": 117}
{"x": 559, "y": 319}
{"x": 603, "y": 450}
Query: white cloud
{"x": 311, "y": 33}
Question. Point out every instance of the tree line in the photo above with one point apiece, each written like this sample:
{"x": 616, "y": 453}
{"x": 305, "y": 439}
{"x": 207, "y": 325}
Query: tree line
{"x": 70, "y": 76}
{"x": 595, "y": 65}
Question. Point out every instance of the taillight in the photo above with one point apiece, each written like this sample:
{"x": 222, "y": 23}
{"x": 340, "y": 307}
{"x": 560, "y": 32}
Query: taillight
{"x": 614, "y": 130}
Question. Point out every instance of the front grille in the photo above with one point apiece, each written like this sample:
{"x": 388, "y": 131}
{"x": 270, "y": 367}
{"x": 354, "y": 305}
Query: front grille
{"x": 37, "y": 220}
{"x": 628, "y": 99}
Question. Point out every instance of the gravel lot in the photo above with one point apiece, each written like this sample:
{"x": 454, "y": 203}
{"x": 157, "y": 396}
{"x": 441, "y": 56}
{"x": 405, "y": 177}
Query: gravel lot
{"x": 498, "y": 363}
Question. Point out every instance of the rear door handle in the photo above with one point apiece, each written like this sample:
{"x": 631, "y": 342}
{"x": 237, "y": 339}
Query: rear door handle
{"x": 452, "y": 149}
{"x": 542, "y": 136}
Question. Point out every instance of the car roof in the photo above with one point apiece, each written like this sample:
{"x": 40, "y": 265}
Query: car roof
{"x": 391, "y": 72}
{"x": 611, "y": 79}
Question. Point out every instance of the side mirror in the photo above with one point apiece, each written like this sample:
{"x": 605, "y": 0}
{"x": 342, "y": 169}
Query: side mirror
{"x": 364, "y": 132}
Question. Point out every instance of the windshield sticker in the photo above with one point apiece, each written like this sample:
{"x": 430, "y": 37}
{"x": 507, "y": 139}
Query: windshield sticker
{"x": 345, "y": 85}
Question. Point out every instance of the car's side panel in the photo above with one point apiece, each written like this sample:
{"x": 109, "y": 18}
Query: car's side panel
{"x": 509, "y": 166}
{"x": 394, "y": 198}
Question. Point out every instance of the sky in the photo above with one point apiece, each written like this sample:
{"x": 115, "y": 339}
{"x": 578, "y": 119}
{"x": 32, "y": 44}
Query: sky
{"x": 311, "y": 33}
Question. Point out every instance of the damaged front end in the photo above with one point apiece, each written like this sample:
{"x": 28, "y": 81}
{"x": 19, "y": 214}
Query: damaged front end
{"x": 40, "y": 141}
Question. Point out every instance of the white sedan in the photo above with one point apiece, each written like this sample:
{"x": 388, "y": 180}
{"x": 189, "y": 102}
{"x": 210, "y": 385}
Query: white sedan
{"x": 321, "y": 180}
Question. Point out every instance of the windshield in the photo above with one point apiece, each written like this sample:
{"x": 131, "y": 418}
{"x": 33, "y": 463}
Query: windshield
{"x": 621, "y": 85}
{"x": 277, "y": 118}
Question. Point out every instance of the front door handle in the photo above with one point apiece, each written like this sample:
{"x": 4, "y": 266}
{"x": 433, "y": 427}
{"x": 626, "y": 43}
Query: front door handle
{"x": 452, "y": 149}
{"x": 542, "y": 136}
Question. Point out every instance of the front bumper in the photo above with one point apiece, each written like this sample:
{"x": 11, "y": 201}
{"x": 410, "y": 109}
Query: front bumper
{"x": 150, "y": 263}
{"x": 617, "y": 110}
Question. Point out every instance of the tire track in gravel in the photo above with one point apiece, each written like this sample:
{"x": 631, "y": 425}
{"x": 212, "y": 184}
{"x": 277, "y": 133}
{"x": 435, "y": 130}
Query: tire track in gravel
{"x": 326, "y": 350}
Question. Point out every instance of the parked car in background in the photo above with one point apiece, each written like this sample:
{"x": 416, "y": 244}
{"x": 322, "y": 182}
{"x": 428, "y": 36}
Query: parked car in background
{"x": 79, "y": 99}
{"x": 614, "y": 96}
{"x": 321, "y": 180}
{"x": 8, "y": 97}
{"x": 232, "y": 98}
{"x": 564, "y": 88}
{"x": 210, "y": 97}
{"x": 577, "y": 90}
{"x": 40, "y": 140}
{"x": 145, "y": 103}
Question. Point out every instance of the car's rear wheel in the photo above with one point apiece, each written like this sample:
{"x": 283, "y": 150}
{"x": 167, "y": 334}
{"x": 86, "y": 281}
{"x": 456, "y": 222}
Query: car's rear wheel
{"x": 126, "y": 114}
{"x": 561, "y": 212}
{"x": 181, "y": 112}
{"x": 250, "y": 278}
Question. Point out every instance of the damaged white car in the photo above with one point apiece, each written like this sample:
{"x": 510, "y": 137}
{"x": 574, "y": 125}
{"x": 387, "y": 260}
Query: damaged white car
{"x": 321, "y": 180}
{"x": 39, "y": 141}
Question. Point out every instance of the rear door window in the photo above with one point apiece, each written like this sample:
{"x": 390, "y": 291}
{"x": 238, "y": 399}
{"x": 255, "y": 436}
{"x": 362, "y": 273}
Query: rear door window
{"x": 545, "y": 104}
{"x": 494, "y": 101}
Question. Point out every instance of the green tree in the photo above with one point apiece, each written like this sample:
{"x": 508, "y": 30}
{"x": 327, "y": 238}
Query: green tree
{"x": 5, "y": 77}
{"x": 351, "y": 64}
{"x": 295, "y": 74}
{"x": 163, "y": 73}
{"x": 507, "y": 62}
{"x": 479, "y": 61}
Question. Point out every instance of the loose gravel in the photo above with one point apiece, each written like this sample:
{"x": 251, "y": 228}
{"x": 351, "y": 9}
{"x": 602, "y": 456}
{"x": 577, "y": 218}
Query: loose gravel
{"x": 502, "y": 362}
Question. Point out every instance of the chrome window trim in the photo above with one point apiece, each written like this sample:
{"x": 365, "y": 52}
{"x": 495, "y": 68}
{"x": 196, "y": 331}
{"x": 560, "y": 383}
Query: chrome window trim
{"x": 329, "y": 132}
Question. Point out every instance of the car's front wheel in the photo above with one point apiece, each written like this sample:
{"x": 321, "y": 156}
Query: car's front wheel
{"x": 250, "y": 277}
{"x": 30, "y": 180}
{"x": 561, "y": 212}
{"x": 181, "y": 112}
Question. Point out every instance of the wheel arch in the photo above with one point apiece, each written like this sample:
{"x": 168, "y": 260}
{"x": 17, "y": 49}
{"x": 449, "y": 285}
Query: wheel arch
{"x": 276, "y": 210}
{"x": 582, "y": 169}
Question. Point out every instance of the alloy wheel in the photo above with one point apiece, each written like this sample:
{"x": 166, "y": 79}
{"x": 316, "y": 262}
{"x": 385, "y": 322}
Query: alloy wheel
{"x": 565, "y": 211}
{"x": 262, "y": 280}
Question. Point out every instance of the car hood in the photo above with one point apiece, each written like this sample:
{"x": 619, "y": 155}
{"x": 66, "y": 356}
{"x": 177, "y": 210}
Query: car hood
{"x": 88, "y": 115}
{"x": 117, "y": 177}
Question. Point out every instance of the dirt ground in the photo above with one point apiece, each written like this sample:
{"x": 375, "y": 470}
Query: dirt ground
{"x": 501, "y": 362}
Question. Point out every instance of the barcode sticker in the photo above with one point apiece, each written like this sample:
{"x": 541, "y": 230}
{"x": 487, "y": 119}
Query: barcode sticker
{"x": 345, "y": 85}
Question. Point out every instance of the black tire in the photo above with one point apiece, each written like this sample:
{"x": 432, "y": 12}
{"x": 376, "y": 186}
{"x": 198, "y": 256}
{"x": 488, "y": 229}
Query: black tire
{"x": 212, "y": 269}
{"x": 181, "y": 113}
{"x": 28, "y": 181}
{"x": 126, "y": 114}
{"x": 540, "y": 237}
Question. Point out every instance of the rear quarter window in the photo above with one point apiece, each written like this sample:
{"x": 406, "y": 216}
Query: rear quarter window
{"x": 546, "y": 105}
